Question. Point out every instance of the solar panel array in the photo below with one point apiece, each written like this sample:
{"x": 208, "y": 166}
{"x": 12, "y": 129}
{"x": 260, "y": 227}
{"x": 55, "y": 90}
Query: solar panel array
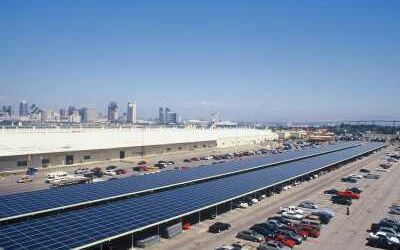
{"x": 34, "y": 202}
{"x": 83, "y": 227}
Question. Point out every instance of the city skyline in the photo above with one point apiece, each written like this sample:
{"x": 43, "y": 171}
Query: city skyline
{"x": 256, "y": 62}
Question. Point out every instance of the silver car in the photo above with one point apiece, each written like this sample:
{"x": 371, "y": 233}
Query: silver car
{"x": 395, "y": 211}
{"x": 272, "y": 245}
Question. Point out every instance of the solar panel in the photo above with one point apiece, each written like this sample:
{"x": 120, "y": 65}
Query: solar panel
{"x": 22, "y": 204}
{"x": 85, "y": 226}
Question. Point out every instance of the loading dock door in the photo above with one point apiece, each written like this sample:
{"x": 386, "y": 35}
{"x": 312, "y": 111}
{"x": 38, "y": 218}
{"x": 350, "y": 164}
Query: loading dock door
{"x": 69, "y": 159}
{"x": 121, "y": 154}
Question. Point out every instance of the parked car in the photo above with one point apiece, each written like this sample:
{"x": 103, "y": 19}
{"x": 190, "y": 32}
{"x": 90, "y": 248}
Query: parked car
{"x": 286, "y": 241}
{"x": 322, "y": 217}
{"x": 312, "y": 231}
{"x": 250, "y": 235}
{"x": 308, "y": 204}
{"x": 97, "y": 172}
{"x": 341, "y": 200}
{"x": 330, "y": 191}
{"x": 395, "y": 211}
{"x": 239, "y": 204}
{"x": 120, "y": 171}
{"x": 269, "y": 226}
{"x": 291, "y": 209}
{"x": 292, "y": 235}
{"x": 110, "y": 172}
{"x": 296, "y": 230}
{"x": 371, "y": 176}
{"x": 281, "y": 220}
{"x": 310, "y": 223}
{"x": 235, "y": 246}
{"x": 81, "y": 171}
{"x": 348, "y": 194}
{"x": 194, "y": 159}
{"x": 142, "y": 163}
{"x": 24, "y": 179}
{"x": 383, "y": 240}
{"x": 364, "y": 170}
{"x": 32, "y": 171}
{"x": 349, "y": 179}
{"x": 356, "y": 176}
{"x": 170, "y": 162}
{"x": 218, "y": 227}
{"x": 324, "y": 211}
{"x": 111, "y": 167}
{"x": 263, "y": 231}
{"x": 272, "y": 245}
{"x": 292, "y": 215}
{"x": 355, "y": 189}
{"x": 187, "y": 160}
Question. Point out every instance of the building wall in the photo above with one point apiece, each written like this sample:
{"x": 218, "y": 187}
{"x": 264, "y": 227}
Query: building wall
{"x": 58, "y": 159}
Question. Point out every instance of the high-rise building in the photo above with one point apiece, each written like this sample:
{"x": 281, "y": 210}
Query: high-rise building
{"x": 71, "y": 110}
{"x": 49, "y": 115}
{"x": 74, "y": 117}
{"x": 89, "y": 115}
{"x": 171, "y": 118}
{"x": 131, "y": 112}
{"x": 8, "y": 110}
{"x": 63, "y": 113}
{"x": 166, "y": 116}
{"x": 23, "y": 109}
{"x": 161, "y": 116}
{"x": 112, "y": 114}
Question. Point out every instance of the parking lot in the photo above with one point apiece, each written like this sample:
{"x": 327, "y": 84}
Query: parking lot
{"x": 9, "y": 185}
{"x": 343, "y": 232}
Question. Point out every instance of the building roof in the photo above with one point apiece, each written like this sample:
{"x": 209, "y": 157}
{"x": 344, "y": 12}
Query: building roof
{"x": 34, "y": 141}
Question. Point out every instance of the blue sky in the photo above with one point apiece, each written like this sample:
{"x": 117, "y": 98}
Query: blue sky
{"x": 250, "y": 60}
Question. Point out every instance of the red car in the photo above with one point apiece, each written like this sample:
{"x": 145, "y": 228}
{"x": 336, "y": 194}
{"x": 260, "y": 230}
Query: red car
{"x": 349, "y": 194}
{"x": 121, "y": 171}
{"x": 285, "y": 240}
{"x": 312, "y": 231}
{"x": 296, "y": 230}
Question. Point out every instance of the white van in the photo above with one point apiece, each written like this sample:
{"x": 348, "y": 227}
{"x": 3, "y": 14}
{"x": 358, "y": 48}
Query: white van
{"x": 56, "y": 176}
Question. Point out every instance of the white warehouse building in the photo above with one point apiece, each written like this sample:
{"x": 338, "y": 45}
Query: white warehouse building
{"x": 22, "y": 148}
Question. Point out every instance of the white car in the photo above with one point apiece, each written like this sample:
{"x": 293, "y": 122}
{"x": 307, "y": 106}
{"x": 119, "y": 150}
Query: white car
{"x": 356, "y": 176}
{"x": 390, "y": 237}
{"x": 382, "y": 170}
{"x": 110, "y": 172}
{"x": 292, "y": 216}
{"x": 291, "y": 209}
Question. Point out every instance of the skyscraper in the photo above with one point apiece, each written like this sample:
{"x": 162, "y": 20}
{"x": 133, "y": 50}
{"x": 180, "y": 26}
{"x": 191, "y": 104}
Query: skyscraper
{"x": 8, "y": 109}
{"x": 23, "y": 109}
{"x": 161, "y": 116}
{"x": 112, "y": 113}
{"x": 131, "y": 112}
{"x": 89, "y": 115}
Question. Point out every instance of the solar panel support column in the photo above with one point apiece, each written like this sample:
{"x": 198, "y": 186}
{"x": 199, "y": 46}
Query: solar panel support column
{"x": 132, "y": 241}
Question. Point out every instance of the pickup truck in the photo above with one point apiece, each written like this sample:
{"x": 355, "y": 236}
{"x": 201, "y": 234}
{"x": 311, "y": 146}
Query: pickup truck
{"x": 349, "y": 194}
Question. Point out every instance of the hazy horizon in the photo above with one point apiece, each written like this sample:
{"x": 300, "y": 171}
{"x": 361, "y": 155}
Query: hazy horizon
{"x": 260, "y": 61}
